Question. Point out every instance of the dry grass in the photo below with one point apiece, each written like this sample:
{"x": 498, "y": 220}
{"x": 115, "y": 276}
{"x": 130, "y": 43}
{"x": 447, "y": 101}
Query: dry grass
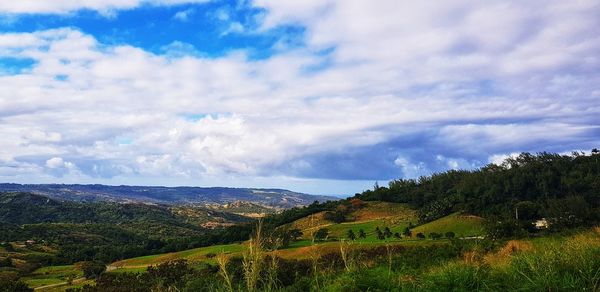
{"x": 253, "y": 259}
{"x": 222, "y": 261}
{"x": 504, "y": 255}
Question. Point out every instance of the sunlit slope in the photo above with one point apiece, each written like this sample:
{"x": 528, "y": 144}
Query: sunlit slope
{"x": 374, "y": 214}
{"x": 192, "y": 255}
{"x": 461, "y": 225}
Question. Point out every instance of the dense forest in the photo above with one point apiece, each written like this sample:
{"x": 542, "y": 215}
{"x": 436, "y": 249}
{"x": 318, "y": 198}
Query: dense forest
{"x": 565, "y": 189}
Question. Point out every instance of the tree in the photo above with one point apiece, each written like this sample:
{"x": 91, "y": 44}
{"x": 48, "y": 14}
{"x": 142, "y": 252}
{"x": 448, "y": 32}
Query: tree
{"x": 407, "y": 232}
{"x": 380, "y": 234}
{"x": 91, "y": 269}
{"x": 450, "y": 234}
{"x": 397, "y": 235}
{"x": 296, "y": 234}
{"x": 387, "y": 232}
{"x": 362, "y": 234}
{"x": 420, "y": 235}
{"x": 337, "y": 216}
{"x": 321, "y": 234}
{"x": 351, "y": 234}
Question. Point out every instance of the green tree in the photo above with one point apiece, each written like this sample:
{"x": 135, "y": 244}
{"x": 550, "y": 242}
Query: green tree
{"x": 450, "y": 234}
{"x": 407, "y": 232}
{"x": 350, "y": 234}
{"x": 296, "y": 234}
{"x": 420, "y": 235}
{"x": 91, "y": 269}
{"x": 387, "y": 232}
{"x": 321, "y": 234}
{"x": 362, "y": 234}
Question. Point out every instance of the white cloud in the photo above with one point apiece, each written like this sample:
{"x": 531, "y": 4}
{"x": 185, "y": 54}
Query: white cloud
{"x": 184, "y": 15}
{"x": 468, "y": 78}
{"x": 55, "y": 162}
{"x": 498, "y": 159}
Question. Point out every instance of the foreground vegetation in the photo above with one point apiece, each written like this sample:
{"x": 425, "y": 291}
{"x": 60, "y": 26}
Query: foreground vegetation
{"x": 558, "y": 263}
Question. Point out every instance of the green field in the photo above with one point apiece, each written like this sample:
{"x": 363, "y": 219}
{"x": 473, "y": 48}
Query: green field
{"x": 51, "y": 275}
{"x": 374, "y": 214}
{"x": 461, "y": 225}
{"x": 192, "y": 255}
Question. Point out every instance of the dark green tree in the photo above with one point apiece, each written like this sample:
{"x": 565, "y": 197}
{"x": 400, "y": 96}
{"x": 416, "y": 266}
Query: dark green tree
{"x": 321, "y": 234}
{"x": 407, "y": 232}
{"x": 91, "y": 269}
{"x": 296, "y": 234}
{"x": 362, "y": 234}
{"x": 350, "y": 234}
{"x": 387, "y": 232}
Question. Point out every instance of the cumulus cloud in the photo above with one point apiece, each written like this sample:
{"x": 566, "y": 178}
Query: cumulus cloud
{"x": 405, "y": 88}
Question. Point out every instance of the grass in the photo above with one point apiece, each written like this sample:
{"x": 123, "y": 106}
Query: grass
{"x": 461, "y": 225}
{"x": 51, "y": 275}
{"x": 567, "y": 263}
{"x": 374, "y": 214}
{"x": 192, "y": 255}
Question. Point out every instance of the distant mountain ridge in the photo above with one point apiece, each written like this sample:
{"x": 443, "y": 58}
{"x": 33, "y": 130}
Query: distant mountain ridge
{"x": 272, "y": 198}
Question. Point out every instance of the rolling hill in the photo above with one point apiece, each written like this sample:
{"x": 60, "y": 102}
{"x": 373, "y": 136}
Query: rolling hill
{"x": 271, "y": 198}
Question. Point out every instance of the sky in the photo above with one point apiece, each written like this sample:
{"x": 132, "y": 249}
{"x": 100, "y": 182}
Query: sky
{"x": 318, "y": 96}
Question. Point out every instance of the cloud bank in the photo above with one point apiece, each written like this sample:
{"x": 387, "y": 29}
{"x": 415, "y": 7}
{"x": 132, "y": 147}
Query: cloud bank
{"x": 375, "y": 92}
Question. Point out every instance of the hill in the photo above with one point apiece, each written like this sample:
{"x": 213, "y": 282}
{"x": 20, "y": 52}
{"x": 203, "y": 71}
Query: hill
{"x": 370, "y": 216}
{"x": 565, "y": 189}
{"x": 73, "y": 231}
{"x": 272, "y": 198}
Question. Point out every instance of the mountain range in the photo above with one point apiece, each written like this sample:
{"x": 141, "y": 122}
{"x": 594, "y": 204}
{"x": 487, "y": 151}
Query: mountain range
{"x": 272, "y": 198}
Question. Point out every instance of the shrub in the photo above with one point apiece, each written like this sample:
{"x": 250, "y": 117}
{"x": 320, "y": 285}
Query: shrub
{"x": 91, "y": 269}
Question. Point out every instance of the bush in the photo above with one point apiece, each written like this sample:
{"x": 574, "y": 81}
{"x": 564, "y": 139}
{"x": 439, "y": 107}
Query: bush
{"x": 91, "y": 269}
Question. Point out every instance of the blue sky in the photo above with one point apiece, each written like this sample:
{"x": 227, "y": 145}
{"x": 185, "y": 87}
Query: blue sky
{"x": 317, "y": 96}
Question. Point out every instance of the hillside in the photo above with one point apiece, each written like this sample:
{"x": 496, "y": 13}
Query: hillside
{"x": 372, "y": 215}
{"x": 72, "y": 231}
{"x": 273, "y": 198}
{"x": 26, "y": 208}
{"x": 563, "y": 188}
{"x": 460, "y": 225}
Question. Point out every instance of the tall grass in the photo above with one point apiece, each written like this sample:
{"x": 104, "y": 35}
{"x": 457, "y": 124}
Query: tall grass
{"x": 567, "y": 265}
{"x": 222, "y": 261}
{"x": 345, "y": 254}
{"x": 253, "y": 259}
{"x": 570, "y": 265}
